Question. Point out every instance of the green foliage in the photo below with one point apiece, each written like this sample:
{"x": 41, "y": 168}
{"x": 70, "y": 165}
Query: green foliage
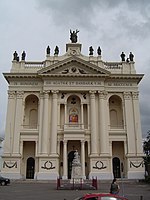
{"x": 146, "y": 147}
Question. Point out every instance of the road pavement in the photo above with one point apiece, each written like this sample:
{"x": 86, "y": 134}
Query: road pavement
{"x": 46, "y": 190}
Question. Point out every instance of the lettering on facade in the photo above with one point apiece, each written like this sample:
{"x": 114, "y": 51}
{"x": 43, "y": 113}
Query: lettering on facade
{"x": 48, "y": 165}
{"x": 120, "y": 84}
{"x": 136, "y": 164}
{"x": 99, "y": 165}
{"x": 74, "y": 83}
{"x": 9, "y": 164}
{"x": 25, "y": 83}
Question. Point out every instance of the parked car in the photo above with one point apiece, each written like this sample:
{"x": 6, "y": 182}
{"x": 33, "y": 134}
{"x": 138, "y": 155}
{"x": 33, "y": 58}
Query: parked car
{"x": 101, "y": 196}
{"x": 4, "y": 181}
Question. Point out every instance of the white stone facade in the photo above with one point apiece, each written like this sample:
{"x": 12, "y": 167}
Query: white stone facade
{"x": 68, "y": 103}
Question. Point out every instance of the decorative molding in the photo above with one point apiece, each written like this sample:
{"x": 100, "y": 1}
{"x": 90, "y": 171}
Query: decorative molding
{"x": 48, "y": 165}
{"x": 12, "y": 165}
{"x": 74, "y": 70}
{"x": 141, "y": 164}
{"x": 99, "y": 165}
{"x": 84, "y": 95}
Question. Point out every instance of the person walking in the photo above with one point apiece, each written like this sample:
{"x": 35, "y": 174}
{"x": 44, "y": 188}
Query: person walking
{"x": 114, "y": 189}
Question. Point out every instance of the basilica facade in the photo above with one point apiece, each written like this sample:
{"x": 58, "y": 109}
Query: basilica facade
{"x": 72, "y": 103}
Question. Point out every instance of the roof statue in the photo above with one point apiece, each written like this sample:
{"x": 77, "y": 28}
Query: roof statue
{"x": 48, "y": 50}
{"x": 73, "y": 36}
{"x": 131, "y": 56}
{"x": 15, "y": 56}
{"x": 91, "y": 51}
{"x": 99, "y": 51}
{"x": 56, "y": 51}
{"x": 23, "y": 55}
{"x": 122, "y": 56}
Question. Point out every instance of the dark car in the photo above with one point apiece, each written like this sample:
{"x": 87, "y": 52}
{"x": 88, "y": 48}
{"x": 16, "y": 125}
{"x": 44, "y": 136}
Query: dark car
{"x": 101, "y": 196}
{"x": 4, "y": 181}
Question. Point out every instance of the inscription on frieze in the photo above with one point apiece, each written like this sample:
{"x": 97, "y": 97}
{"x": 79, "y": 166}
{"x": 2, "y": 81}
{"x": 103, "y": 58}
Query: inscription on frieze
{"x": 120, "y": 84}
{"x": 74, "y": 83}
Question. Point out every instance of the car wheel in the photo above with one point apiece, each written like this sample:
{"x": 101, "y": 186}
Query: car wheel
{"x": 3, "y": 183}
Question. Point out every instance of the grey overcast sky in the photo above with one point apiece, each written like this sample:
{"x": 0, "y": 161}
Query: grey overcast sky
{"x": 115, "y": 25}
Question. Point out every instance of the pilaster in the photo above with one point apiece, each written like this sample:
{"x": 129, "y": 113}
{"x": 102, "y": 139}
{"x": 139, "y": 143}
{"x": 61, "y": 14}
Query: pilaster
{"x": 18, "y": 122}
{"x": 129, "y": 123}
{"x": 45, "y": 123}
{"x": 104, "y": 140}
{"x": 10, "y": 118}
{"x": 94, "y": 139}
{"x": 53, "y": 146}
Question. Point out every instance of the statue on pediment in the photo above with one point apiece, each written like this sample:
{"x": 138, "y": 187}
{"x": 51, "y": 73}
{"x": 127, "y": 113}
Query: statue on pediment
{"x": 23, "y": 55}
{"x": 91, "y": 51}
{"x": 73, "y": 36}
{"x": 99, "y": 51}
{"x": 48, "y": 50}
{"x": 15, "y": 56}
{"x": 56, "y": 51}
{"x": 131, "y": 56}
{"x": 123, "y": 56}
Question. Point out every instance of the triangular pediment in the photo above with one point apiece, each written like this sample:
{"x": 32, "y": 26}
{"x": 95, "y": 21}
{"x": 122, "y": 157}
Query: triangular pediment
{"x": 73, "y": 65}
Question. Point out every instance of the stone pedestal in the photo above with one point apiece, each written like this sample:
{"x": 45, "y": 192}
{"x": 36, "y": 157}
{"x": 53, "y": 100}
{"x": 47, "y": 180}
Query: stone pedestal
{"x": 76, "y": 174}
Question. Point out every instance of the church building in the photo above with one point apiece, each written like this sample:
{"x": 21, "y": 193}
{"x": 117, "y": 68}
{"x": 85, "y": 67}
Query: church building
{"x": 70, "y": 103}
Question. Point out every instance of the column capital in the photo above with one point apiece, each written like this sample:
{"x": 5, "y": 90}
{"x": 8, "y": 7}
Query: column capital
{"x": 127, "y": 95}
{"x": 92, "y": 91}
{"x": 46, "y": 94}
{"x": 20, "y": 94}
{"x": 135, "y": 95}
{"x": 54, "y": 91}
{"x": 92, "y": 94}
{"x": 11, "y": 94}
{"x": 102, "y": 94}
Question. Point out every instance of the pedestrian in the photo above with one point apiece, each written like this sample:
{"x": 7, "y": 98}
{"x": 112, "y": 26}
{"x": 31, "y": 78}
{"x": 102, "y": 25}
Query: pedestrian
{"x": 114, "y": 189}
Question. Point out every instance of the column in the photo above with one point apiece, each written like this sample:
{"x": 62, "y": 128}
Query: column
{"x": 9, "y": 122}
{"x": 88, "y": 110}
{"x": 83, "y": 158}
{"x": 45, "y": 138}
{"x": 40, "y": 122}
{"x": 129, "y": 122}
{"x": 94, "y": 139}
{"x": 82, "y": 122}
{"x": 18, "y": 121}
{"x": 65, "y": 163}
{"x": 104, "y": 140}
{"x": 53, "y": 146}
{"x": 137, "y": 121}
{"x": 65, "y": 125}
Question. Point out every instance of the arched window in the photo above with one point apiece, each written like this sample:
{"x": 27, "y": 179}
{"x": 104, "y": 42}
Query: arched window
{"x": 115, "y": 112}
{"x": 31, "y": 112}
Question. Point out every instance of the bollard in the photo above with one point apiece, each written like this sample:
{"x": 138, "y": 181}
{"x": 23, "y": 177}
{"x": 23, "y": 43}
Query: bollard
{"x": 141, "y": 197}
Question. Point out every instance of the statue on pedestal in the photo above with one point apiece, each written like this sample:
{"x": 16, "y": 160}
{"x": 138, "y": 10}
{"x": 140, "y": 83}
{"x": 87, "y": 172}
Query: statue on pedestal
{"x": 73, "y": 36}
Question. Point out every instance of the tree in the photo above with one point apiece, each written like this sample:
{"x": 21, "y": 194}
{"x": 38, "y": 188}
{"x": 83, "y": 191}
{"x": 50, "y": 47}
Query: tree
{"x": 146, "y": 147}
